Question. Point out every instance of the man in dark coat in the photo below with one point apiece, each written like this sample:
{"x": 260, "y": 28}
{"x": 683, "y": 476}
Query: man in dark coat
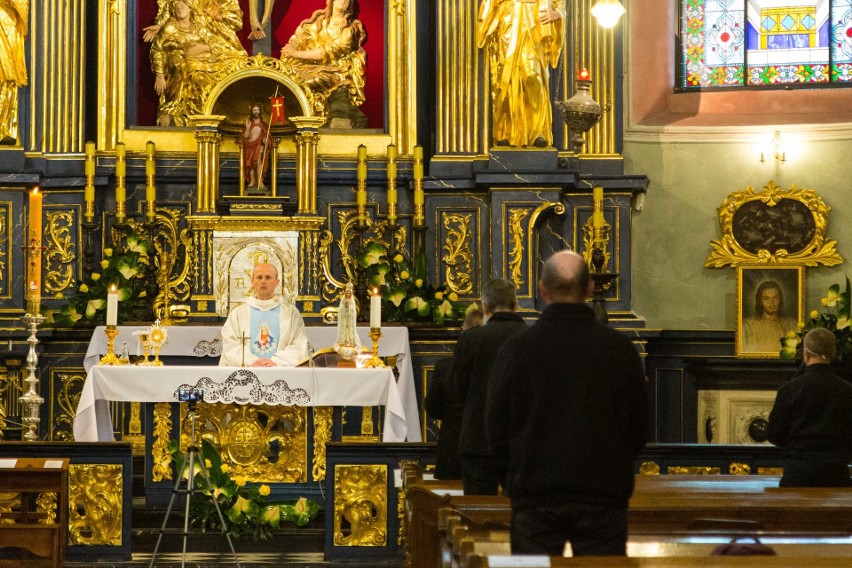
{"x": 567, "y": 410}
{"x": 812, "y": 419}
{"x": 472, "y": 361}
{"x": 440, "y": 405}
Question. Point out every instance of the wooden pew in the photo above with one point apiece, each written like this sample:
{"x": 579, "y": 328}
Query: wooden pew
{"x": 675, "y": 562}
{"x": 660, "y": 505}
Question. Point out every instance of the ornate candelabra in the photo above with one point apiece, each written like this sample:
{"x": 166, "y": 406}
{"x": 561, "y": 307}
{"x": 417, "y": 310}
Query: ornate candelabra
{"x": 375, "y": 361}
{"x": 31, "y": 401}
{"x": 581, "y": 112}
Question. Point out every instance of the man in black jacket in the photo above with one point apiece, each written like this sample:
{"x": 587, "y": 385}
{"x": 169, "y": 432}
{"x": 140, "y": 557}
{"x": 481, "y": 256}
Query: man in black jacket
{"x": 567, "y": 409}
{"x": 473, "y": 358}
{"x": 812, "y": 419}
{"x": 440, "y": 405}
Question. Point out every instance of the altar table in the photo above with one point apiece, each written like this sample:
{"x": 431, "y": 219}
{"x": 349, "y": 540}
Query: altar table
{"x": 303, "y": 386}
{"x": 206, "y": 341}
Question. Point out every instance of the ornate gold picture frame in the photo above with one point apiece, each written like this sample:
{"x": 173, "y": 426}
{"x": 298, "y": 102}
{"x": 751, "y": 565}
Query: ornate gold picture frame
{"x": 770, "y": 303}
{"x": 773, "y": 227}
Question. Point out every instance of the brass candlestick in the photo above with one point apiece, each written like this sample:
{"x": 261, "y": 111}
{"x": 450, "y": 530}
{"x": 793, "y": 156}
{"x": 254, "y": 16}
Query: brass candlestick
{"x": 375, "y": 361}
{"x": 110, "y": 358}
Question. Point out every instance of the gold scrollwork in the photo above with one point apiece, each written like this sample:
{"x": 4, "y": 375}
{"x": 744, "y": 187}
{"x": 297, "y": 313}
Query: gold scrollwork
{"x": 174, "y": 249}
{"x": 588, "y": 240}
{"x": 59, "y": 251}
{"x": 759, "y": 234}
{"x": 248, "y": 436}
{"x": 46, "y": 503}
{"x": 4, "y": 239}
{"x": 322, "y": 435}
{"x": 162, "y": 468}
{"x": 360, "y": 505}
{"x": 66, "y": 399}
{"x": 516, "y": 255}
{"x": 649, "y": 468}
{"x": 95, "y": 499}
{"x": 458, "y": 255}
{"x": 739, "y": 469}
{"x": 693, "y": 470}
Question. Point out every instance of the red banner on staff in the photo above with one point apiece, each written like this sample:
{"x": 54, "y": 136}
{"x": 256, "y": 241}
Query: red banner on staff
{"x": 278, "y": 114}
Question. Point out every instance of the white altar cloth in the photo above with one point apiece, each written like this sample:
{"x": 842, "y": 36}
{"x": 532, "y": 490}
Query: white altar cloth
{"x": 256, "y": 385}
{"x": 206, "y": 341}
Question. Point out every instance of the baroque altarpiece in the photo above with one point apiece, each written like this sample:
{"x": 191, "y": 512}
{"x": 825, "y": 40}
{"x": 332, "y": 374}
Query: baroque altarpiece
{"x": 488, "y": 210}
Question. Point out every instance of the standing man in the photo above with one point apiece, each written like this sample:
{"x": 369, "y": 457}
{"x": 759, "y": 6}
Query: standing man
{"x": 254, "y": 148}
{"x": 567, "y": 410}
{"x": 440, "y": 405}
{"x": 812, "y": 419}
{"x": 473, "y": 358}
{"x": 266, "y": 331}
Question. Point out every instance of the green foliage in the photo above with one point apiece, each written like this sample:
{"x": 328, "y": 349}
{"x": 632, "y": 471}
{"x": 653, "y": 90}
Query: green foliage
{"x": 87, "y": 305}
{"x": 244, "y": 505}
{"x": 406, "y": 292}
{"x": 835, "y": 317}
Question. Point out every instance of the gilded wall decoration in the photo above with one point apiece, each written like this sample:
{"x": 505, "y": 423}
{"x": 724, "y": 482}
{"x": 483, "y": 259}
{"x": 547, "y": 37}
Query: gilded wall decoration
{"x": 458, "y": 255}
{"x": 5, "y": 239}
{"x": 693, "y": 470}
{"x": 588, "y": 241}
{"x": 262, "y": 443}
{"x": 323, "y": 416}
{"x": 59, "y": 253}
{"x": 342, "y": 251}
{"x": 10, "y": 390}
{"x": 174, "y": 249}
{"x": 360, "y": 505}
{"x": 95, "y": 496}
{"x": 773, "y": 227}
{"x": 66, "y": 384}
{"x": 162, "y": 458}
{"x": 516, "y": 254}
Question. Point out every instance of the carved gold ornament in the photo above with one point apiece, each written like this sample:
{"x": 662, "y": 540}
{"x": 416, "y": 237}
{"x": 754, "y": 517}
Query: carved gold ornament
{"x": 162, "y": 457}
{"x": 774, "y": 227}
{"x": 95, "y": 497}
{"x": 457, "y": 253}
{"x": 360, "y": 505}
{"x": 322, "y": 435}
{"x": 59, "y": 252}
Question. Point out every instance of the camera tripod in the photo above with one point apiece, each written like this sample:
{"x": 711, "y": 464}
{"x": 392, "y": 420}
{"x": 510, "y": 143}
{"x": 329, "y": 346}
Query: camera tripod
{"x": 193, "y": 457}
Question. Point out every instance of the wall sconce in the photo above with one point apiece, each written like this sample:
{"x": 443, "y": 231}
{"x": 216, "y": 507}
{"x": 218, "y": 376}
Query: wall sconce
{"x": 777, "y": 150}
{"x": 608, "y": 12}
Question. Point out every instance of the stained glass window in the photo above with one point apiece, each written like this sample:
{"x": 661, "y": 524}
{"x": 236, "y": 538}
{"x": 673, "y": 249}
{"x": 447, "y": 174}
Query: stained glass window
{"x": 764, "y": 43}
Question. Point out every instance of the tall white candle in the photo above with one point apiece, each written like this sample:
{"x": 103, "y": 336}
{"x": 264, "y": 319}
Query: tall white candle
{"x": 375, "y": 309}
{"x": 112, "y": 306}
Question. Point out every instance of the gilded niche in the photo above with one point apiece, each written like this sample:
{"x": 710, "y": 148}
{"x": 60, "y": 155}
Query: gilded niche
{"x": 360, "y": 505}
{"x": 95, "y": 494}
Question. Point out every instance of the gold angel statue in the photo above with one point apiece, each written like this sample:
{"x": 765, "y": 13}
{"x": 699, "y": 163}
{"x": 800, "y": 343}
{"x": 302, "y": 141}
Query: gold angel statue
{"x": 14, "y": 15}
{"x": 522, "y": 37}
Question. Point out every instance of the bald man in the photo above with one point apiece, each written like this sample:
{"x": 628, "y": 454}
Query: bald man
{"x": 812, "y": 419}
{"x": 265, "y": 331}
{"x": 567, "y": 409}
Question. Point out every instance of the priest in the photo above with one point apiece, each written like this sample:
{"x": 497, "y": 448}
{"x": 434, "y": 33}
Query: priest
{"x": 266, "y": 331}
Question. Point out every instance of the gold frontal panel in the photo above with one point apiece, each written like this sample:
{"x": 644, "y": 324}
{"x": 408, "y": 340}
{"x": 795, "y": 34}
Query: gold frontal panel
{"x": 95, "y": 496}
{"x": 245, "y": 436}
{"x": 360, "y": 505}
{"x": 66, "y": 384}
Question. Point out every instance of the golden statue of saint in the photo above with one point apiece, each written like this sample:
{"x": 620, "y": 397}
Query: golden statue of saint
{"x": 14, "y": 15}
{"x": 522, "y": 38}
{"x": 189, "y": 50}
{"x": 326, "y": 50}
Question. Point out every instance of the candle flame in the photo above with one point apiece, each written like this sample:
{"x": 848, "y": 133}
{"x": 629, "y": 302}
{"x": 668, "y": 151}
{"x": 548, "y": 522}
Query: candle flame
{"x": 35, "y": 190}
{"x": 113, "y": 289}
{"x": 375, "y": 291}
